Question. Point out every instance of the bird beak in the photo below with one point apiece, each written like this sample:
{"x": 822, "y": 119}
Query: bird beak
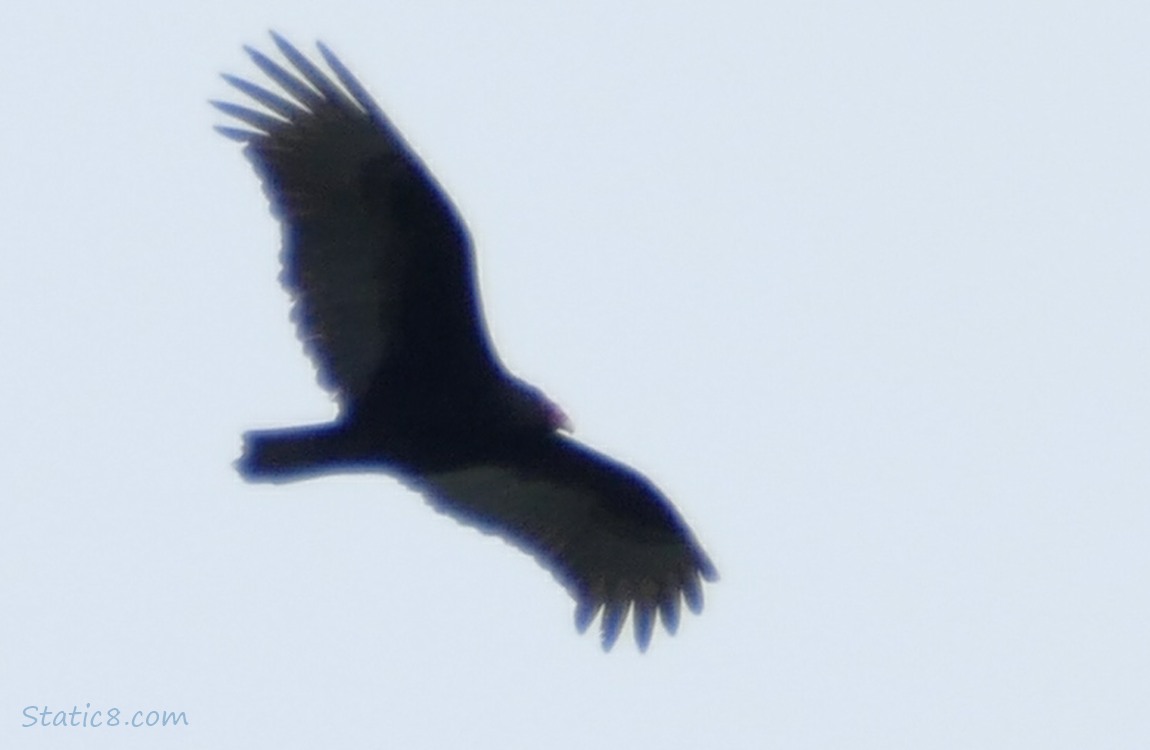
{"x": 560, "y": 420}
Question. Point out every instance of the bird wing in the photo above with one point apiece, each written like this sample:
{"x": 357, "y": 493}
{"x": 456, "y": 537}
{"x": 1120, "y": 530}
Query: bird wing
{"x": 374, "y": 255}
{"x": 604, "y": 531}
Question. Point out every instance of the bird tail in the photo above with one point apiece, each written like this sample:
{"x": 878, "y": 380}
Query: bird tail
{"x": 297, "y": 453}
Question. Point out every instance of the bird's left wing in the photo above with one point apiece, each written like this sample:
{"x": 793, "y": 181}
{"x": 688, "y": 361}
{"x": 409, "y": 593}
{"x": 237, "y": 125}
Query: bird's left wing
{"x": 604, "y": 531}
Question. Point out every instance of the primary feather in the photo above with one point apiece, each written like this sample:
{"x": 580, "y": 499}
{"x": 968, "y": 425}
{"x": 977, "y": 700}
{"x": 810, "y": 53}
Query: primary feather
{"x": 380, "y": 268}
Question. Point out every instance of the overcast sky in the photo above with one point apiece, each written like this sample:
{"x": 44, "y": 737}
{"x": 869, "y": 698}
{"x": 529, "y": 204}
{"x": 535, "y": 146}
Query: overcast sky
{"x": 864, "y": 287}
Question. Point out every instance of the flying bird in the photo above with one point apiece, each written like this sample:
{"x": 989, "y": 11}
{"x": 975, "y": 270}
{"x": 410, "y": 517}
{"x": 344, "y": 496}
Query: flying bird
{"x": 381, "y": 272}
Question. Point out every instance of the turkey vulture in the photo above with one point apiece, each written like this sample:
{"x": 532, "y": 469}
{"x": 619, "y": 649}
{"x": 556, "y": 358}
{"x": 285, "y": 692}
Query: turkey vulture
{"x": 381, "y": 273}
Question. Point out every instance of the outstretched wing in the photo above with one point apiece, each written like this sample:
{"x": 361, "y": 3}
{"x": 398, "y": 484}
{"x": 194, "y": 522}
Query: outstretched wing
{"x": 376, "y": 258}
{"x": 605, "y": 532}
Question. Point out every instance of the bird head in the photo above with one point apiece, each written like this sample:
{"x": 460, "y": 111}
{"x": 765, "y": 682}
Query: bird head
{"x": 531, "y": 408}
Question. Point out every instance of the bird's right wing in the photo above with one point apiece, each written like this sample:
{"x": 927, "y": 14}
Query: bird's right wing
{"x": 604, "y": 531}
{"x": 374, "y": 254}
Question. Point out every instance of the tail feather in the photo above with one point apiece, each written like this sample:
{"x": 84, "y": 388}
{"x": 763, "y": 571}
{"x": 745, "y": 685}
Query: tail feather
{"x": 297, "y": 453}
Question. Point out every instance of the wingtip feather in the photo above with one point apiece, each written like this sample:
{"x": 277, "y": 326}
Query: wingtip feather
{"x": 236, "y": 134}
{"x": 669, "y": 611}
{"x": 614, "y": 614}
{"x": 644, "y": 616}
{"x": 585, "y": 613}
{"x": 693, "y": 592}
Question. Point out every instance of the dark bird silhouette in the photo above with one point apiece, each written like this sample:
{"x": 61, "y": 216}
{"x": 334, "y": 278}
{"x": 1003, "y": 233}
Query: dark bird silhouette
{"x": 380, "y": 269}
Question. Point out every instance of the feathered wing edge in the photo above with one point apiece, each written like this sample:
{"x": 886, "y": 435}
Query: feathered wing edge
{"x": 604, "y": 532}
{"x": 336, "y": 170}
{"x": 307, "y": 99}
{"x": 308, "y": 145}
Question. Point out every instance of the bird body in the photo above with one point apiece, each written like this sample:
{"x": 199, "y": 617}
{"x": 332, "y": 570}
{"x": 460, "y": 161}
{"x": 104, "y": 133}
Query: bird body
{"x": 381, "y": 272}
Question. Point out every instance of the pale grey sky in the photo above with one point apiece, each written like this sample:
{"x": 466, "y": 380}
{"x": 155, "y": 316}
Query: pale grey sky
{"x": 864, "y": 288}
